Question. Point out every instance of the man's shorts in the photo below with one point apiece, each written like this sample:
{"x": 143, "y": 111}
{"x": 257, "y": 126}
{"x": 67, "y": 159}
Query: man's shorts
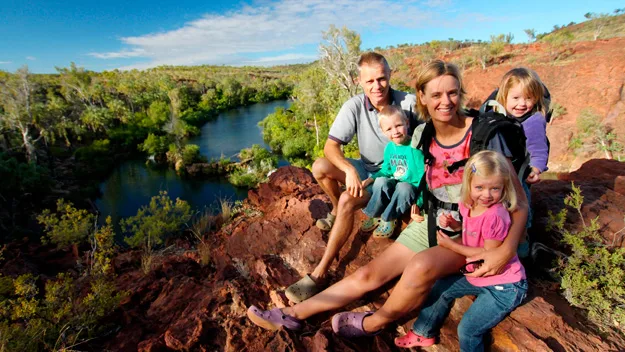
{"x": 362, "y": 172}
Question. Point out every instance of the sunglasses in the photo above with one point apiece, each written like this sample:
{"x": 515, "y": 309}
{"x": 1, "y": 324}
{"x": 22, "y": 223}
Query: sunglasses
{"x": 470, "y": 267}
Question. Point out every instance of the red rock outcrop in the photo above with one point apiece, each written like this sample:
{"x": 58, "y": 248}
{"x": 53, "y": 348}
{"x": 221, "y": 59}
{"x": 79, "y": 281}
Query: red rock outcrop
{"x": 181, "y": 306}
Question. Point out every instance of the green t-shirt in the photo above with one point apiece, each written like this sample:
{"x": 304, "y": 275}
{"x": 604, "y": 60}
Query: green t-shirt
{"x": 403, "y": 163}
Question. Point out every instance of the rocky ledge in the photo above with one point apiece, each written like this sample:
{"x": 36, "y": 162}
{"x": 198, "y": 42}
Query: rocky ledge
{"x": 183, "y": 306}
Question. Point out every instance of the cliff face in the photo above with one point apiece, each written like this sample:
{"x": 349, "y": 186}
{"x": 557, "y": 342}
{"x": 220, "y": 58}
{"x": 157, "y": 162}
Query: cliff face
{"x": 182, "y": 306}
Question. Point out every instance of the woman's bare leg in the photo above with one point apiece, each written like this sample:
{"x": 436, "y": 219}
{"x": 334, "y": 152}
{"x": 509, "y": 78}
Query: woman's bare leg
{"x": 414, "y": 285}
{"x": 376, "y": 273}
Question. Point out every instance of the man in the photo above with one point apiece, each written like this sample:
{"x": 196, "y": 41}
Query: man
{"x": 358, "y": 116}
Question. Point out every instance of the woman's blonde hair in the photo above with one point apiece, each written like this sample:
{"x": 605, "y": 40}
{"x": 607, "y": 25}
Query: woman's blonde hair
{"x": 530, "y": 83}
{"x": 392, "y": 110}
{"x": 435, "y": 69}
{"x": 488, "y": 163}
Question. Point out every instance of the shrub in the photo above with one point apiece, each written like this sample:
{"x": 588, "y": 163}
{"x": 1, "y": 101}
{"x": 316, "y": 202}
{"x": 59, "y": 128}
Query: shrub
{"x": 102, "y": 249}
{"x": 154, "y": 222}
{"x": 260, "y": 162}
{"x": 155, "y": 145}
{"x": 60, "y": 318}
{"x": 68, "y": 226}
{"x": 593, "y": 275}
{"x": 557, "y": 111}
{"x": 191, "y": 154}
{"x": 595, "y": 136}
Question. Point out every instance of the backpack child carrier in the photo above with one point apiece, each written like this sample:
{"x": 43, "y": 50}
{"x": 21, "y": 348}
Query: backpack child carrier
{"x": 488, "y": 122}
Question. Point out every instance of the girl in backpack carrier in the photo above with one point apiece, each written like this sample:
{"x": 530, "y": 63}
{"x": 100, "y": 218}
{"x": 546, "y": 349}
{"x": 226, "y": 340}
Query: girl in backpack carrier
{"x": 486, "y": 197}
{"x": 522, "y": 94}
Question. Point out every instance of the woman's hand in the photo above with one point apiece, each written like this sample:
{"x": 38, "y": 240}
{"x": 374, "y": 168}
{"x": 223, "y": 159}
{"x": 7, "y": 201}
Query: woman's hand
{"x": 415, "y": 214}
{"x": 444, "y": 240}
{"x": 495, "y": 260}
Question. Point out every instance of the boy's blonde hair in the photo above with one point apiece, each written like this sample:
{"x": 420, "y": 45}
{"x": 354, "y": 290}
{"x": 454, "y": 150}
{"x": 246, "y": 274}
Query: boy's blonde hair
{"x": 531, "y": 84}
{"x": 488, "y": 163}
{"x": 433, "y": 70}
{"x": 392, "y": 110}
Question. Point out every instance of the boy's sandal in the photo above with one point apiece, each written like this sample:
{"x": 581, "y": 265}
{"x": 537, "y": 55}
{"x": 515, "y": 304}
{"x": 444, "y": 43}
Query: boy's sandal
{"x": 385, "y": 230}
{"x": 273, "y": 319}
{"x": 349, "y": 324}
{"x": 370, "y": 224}
{"x": 413, "y": 340}
{"x": 326, "y": 223}
{"x": 302, "y": 290}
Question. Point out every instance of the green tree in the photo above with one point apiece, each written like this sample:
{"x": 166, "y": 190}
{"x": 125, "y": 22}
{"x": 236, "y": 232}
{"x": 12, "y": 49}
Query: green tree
{"x": 598, "y": 21}
{"x": 531, "y": 34}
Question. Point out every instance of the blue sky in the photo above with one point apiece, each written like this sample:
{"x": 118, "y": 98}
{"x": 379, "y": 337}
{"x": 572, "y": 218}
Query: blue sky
{"x": 128, "y": 34}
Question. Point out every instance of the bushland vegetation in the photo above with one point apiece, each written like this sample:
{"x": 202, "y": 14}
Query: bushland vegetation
{"x": 68, "y": 129}
{"x": 592, "y": 274}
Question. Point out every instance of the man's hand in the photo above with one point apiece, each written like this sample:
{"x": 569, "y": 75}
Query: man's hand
{"x": 534, "y": 176}
{"x": 444, "y": 240}
{"x": 495, "y": 260}
{"x": 353, "y": 185}
{"x": 415, "y": 214}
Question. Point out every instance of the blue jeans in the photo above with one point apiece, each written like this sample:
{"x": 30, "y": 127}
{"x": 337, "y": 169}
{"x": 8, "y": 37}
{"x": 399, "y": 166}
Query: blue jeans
{"x": 492, "y": 304}
{"x": 390, "y": 198}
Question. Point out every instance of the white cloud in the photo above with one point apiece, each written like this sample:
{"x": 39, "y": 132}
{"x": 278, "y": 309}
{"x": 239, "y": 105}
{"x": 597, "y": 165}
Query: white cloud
{"x": 137, "y": 52}
{"x": 280, "y": 59}
{"x": 31, "y": 58}
{"x": 5, "y": 62}
{"x": 266, "y": 27}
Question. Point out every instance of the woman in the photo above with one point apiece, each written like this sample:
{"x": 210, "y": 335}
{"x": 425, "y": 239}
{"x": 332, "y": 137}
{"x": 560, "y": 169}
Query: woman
{"x": 439, "y": 98}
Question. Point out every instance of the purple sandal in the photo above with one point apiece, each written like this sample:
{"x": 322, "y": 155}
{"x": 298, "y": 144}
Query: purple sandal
{"x": 273, "y": 319}
{"x": 349, "y": 324}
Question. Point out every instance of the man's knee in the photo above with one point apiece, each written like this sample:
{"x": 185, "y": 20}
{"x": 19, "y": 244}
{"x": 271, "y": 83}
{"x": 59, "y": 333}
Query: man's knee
{"x": 321, "y": 168}
{"x": 348, "y": 203}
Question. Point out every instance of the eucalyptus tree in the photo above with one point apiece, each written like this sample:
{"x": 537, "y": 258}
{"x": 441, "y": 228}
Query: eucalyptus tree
{"x": 17, "y": 100}
{"x": 339, "y": 54}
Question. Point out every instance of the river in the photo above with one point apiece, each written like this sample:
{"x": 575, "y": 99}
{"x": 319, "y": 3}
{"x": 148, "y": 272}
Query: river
{"x": 132, "y": 184}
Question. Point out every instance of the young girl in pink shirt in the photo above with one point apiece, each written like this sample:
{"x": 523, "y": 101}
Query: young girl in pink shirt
{"x": 487, "y": 196}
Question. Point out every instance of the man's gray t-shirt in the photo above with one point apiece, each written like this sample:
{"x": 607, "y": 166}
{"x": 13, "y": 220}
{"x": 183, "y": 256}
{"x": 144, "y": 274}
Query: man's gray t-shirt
{"x": 358, "y": 117}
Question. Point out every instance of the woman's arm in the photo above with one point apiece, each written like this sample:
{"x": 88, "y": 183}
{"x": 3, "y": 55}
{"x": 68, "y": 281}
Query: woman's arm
{"x": 496, "y": 259}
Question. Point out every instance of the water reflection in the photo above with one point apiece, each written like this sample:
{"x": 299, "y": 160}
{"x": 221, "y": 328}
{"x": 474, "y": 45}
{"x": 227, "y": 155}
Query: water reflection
{"x": 132, "y": 184}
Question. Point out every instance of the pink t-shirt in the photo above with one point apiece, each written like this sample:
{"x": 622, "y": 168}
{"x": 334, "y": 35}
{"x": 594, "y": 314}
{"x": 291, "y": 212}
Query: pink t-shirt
{"x": 493, "y": 224}
{"x": 444, "y": 156}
